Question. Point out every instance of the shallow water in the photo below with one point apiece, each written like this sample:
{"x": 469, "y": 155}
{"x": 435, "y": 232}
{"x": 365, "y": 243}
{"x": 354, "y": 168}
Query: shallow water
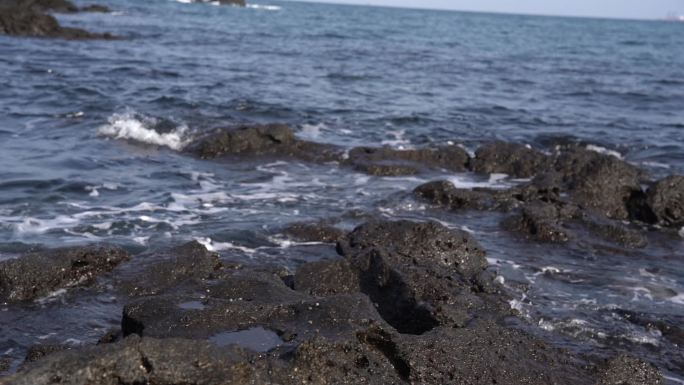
{"x": 90, "y": 134}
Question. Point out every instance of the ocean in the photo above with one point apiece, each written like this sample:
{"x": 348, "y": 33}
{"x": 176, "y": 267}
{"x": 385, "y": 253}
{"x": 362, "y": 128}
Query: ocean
{"x": 92, "y": 133}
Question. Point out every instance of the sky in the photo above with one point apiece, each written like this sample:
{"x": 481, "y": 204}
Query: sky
{"x": 631, "y": 9}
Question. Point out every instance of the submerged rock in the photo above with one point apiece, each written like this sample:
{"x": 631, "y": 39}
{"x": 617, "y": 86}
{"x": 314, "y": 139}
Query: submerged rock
{"x": 513, "y": 159}
{"x": 314, "y": 232}
{"x": 386, "y": 161}
{"x": 444, "y": 193}
{"x": 37, "y": 274}
{"x": 95, "y": 8}
{"x": 274, "y": 140}
{"x": 666, "y": 200}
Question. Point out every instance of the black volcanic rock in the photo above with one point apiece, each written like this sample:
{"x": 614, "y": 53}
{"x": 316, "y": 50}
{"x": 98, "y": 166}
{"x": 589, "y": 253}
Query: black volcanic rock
{"x": 598, "y": 182}
{"x": 274, "y": 140}
{"x": 540, "y": 221}
{"x": 191, "y": 261}
{"x": 37, "y": 352}
{"x": 445, "y": 194}
{"x": 402, "y": 267}
{"x": 37, "y": 274}
{"x": 314, "y": 232}
{"x": 28, "y": 20}
{"x": 385, "y": 161}
{"x": 514, "y": 159}
{"x": 405, "y": 305}
{"x": 666, "y": 200}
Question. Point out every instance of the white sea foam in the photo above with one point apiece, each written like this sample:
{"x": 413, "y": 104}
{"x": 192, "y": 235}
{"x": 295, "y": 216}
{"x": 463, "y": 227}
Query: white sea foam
{"x": 398, "y": 140}
{"x": 129, "y": 125}
{"x": 465, "y": 181}
{"x": 311, "y": 131}
{"x": 264, "y": 7}
{"x": 211, "y": 245}
{"x": 603, "y": 150}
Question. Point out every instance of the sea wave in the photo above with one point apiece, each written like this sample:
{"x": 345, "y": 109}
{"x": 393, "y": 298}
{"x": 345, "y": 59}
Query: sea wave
{"x": 132, "y": 126}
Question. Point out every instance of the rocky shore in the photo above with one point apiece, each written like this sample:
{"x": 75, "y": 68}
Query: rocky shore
{"x": 32, "y": 18}
{"x": 404, "y": 302}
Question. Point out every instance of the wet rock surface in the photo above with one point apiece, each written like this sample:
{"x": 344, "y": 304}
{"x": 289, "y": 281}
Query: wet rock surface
{"x": 271, "y": 140}
{"x": 509, "y": 158}
{"x": 29, "y": 19}
{"x": 314, "y": 232}
{"x": 407, "y": 302}
{"x": 385, "y": 161}
{"x": 666, "y": 200}
{"x": 37, "y": 274}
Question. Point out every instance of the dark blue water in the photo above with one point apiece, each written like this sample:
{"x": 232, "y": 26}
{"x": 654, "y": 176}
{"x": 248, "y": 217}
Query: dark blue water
{"x": 341, "y": 74}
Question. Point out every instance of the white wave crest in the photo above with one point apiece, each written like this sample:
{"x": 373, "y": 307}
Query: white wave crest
{"x": 603, "y": 150}
{"x": 129, "y": 125}
{"x": 265, "y": 7}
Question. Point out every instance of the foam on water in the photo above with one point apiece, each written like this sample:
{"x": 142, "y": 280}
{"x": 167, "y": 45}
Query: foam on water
{"x": 265, "y": 7}
{"x": 132, "y": 126}
{"x": 603, "y": 150}
{"x": 468, "y": 181}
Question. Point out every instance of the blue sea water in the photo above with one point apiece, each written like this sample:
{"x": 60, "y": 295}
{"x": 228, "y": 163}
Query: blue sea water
{"x": 90, "y": 133}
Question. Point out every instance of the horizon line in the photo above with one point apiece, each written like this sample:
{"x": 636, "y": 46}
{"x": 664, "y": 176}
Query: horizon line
{"x": 419, "y": 8}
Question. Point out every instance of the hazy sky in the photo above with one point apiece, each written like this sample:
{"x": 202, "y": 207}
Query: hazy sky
{"x": 638, "y": 9}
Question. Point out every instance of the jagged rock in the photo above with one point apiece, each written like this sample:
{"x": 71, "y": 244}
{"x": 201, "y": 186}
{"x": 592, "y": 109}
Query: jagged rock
{"x": 666, "y": 200}
{"x": 187, "y": 262}
{"x": 429, "y": 244}
{"x": 444, "y": 193}
{"x": 36, "y": 352}
{"x": 263, "y": 140}
{"x": 28, "y": 20}
{"x": 420, "y": 275}
{"x": 314, "y": 232}
{"x": 540, "y": 221}
{"x": 599, "y": 182}
{"x": 37, "y": 274}
{"x": 627, "y": 370}
{"x": 514, "y": 159}
{"x": 615, "y": 232}
{"x": 386, "y": 161}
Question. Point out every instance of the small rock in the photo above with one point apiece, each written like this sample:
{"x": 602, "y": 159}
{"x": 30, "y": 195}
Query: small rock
{"x": 514, "y": 159}
{"x": 37, "y": 274}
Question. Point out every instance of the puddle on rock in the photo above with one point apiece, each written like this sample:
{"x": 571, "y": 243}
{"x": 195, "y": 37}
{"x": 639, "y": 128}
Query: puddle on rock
{"x": 192, "y": 305}
{"x": 257, "y": 339}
